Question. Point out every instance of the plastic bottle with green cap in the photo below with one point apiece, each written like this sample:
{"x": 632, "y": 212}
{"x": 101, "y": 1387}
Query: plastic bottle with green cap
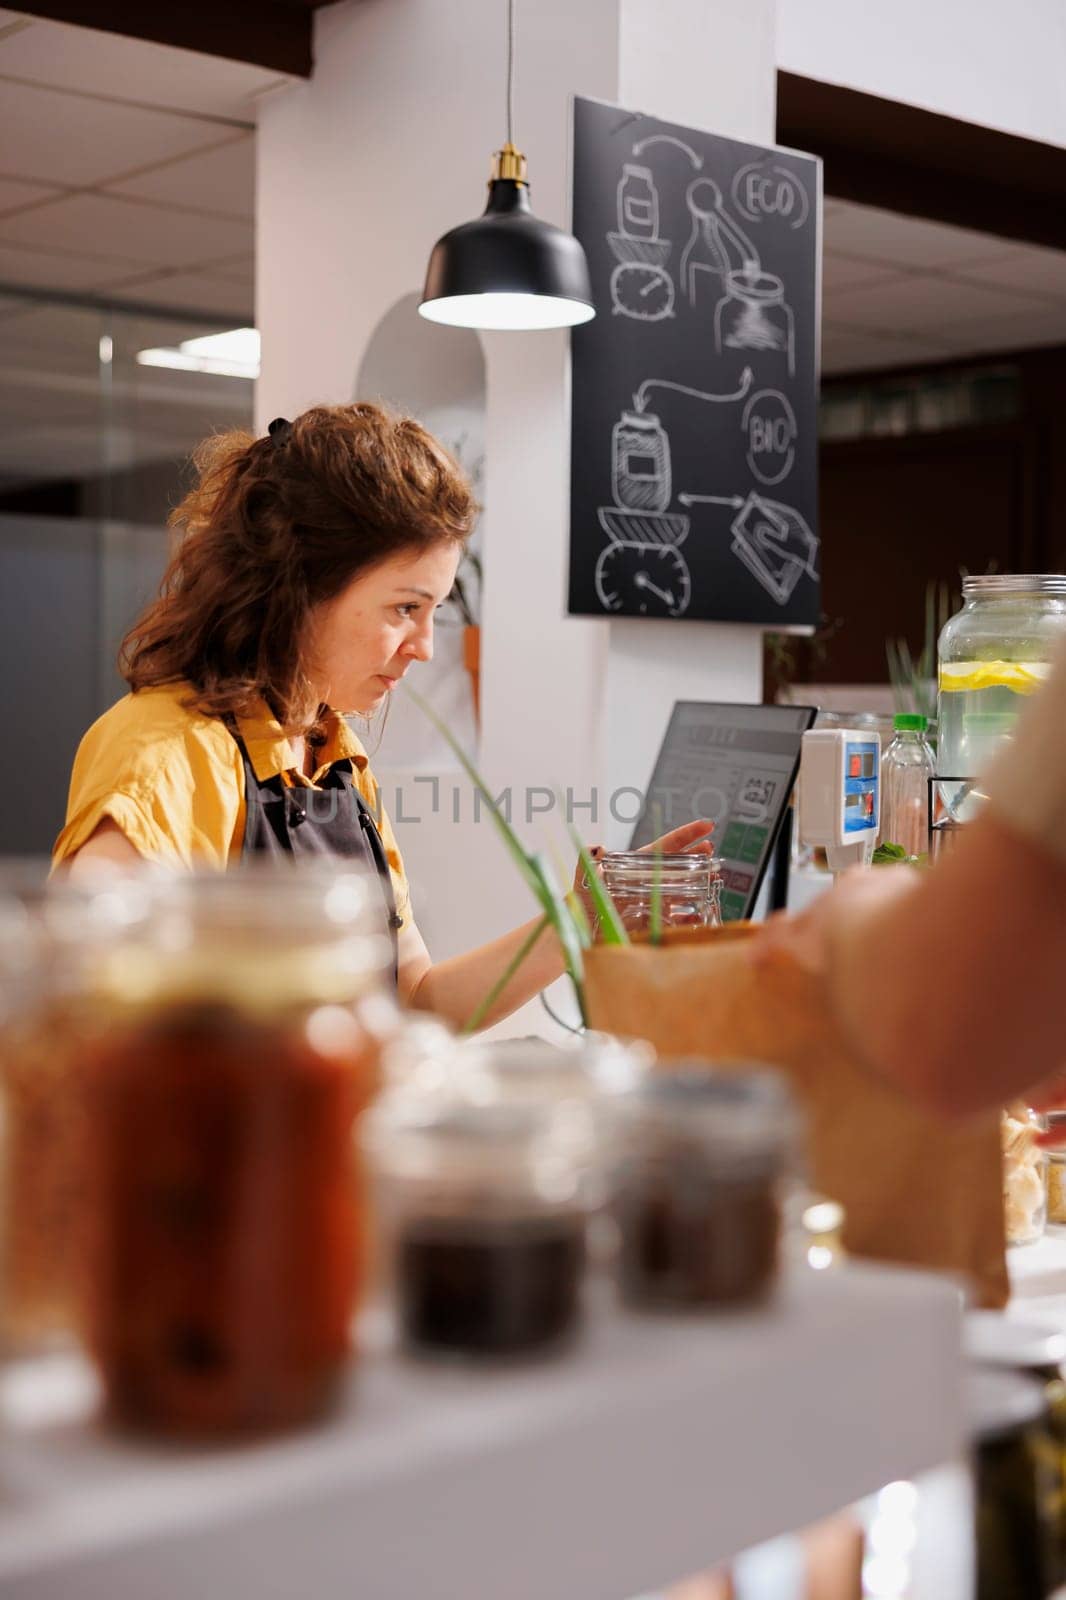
{"x": 906, "y": 768}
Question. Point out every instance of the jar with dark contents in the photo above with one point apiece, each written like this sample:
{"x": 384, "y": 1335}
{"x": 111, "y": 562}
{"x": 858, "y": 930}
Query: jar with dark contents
{"x": 681, "y": 890}
{"x": 697, "y": 1187}
{"x": 226, "y": 1205}
{"x": 484, "y": 1209}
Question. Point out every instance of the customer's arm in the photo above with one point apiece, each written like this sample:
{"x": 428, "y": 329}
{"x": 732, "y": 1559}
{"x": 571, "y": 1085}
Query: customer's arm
{"x": 953, "y": 982}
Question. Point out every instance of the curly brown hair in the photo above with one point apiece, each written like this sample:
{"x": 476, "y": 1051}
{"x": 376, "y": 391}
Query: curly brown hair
{"x": 274, "y": 527}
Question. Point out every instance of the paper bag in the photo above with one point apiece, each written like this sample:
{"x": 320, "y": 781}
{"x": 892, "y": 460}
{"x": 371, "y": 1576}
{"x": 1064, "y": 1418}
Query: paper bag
{"x": 916, "y": 1189}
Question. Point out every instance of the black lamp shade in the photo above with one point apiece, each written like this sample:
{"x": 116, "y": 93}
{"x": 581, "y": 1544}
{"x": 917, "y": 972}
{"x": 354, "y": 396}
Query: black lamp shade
{"x": 507, "y": 269}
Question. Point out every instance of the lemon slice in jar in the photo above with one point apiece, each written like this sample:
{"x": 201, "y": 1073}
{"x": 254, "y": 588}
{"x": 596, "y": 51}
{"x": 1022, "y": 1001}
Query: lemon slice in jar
{"x": 1021, "y": 677}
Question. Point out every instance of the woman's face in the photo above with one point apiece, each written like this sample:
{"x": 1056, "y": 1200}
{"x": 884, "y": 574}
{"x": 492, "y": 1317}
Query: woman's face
{"x": 365, "y": 639}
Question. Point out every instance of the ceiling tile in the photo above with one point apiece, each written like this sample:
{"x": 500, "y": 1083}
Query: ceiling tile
{"x": 853, "y": 351}
{"x": 53, "y": 137}
{"x": 131, "y": 230}
{"x": 1028, "y": 268}
{"x": 221, "y": 180}
{"x": 239, "y": 269}
{"x": 14, "y": 193}
{"x": 842, "y": 272}
{"x": 871, "y": 234}
{"x": 922, "y": 303}
{"x": 1046, "y": 326}
{"x": 134, "y": 70}
{"x": 38, "y": 269}
{"x": 193, "y": 290}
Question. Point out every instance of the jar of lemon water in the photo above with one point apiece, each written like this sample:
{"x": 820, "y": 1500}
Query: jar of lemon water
{"x": 993, "y": 654}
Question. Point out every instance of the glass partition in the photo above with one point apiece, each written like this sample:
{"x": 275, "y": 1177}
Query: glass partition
{"x": 95, "y": 443}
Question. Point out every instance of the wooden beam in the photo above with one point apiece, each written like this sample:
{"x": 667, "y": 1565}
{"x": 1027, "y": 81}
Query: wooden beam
{"x": 267, "y": 33}
{"x": 882, "y": 153}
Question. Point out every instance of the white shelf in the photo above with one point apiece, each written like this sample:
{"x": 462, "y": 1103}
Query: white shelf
{"x": 1038, "y": 1280}
{"x": 654, "y": 1449}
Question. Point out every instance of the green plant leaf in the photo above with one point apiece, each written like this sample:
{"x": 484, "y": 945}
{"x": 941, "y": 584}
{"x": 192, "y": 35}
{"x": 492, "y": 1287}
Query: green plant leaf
{"x": 562, "y": 921}
{"x": 478, "y": 1015}
{"x": 611, "y": 928}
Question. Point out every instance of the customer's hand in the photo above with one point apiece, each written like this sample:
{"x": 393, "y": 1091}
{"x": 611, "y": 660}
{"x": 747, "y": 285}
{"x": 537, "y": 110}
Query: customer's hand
{"x": 1050, "y": 1096}
{"x": 856, "y": 893}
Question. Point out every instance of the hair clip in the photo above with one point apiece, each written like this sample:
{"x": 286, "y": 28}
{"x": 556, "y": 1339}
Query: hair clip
{"x": 280, "y": 431}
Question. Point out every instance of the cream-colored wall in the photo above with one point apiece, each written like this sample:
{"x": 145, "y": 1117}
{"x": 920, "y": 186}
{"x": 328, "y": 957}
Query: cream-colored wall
{"x": 1000, "y": 63}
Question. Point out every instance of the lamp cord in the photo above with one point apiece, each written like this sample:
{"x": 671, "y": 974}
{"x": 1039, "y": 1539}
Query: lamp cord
{"x": 510, "y": 71}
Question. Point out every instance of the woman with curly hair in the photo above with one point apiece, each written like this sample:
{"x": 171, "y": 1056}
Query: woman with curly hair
{"x": 310, "y": 566}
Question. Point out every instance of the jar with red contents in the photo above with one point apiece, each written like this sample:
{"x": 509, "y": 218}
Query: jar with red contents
{"x": 226, "y": 1213}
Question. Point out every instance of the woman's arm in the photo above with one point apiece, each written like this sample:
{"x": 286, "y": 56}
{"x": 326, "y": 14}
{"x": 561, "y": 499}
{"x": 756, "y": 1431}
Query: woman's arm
{"x": 455, "y": 989}
{"x": 106, "y": 844}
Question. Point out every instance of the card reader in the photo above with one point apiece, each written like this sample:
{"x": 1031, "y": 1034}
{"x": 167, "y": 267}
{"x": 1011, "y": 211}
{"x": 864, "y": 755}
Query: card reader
{"x": 840, "y": 794}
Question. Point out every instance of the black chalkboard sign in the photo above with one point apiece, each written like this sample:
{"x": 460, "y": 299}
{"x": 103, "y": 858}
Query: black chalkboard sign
{"x": 694, "y": 432}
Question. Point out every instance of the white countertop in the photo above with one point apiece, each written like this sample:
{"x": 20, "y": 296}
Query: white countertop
{"x": 654, "y": 1449}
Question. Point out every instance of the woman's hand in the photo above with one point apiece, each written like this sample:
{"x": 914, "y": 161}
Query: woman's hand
{"x": 692, "y": 838}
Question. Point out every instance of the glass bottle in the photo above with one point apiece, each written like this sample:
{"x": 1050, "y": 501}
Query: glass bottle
{"x": 687, "y": 887}
{"x": 993, "y": 654}
{"x": 483, "y": 1209}
{"x": 906, "y": 768}
{"x": 236, "y": 1048}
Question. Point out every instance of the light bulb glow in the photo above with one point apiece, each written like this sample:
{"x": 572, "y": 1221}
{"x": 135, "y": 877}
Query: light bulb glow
{"x": 506, "y": 312}
{"x": 233, "y": 354}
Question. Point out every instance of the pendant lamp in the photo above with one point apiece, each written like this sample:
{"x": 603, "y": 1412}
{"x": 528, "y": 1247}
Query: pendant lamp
{"x": 507, "y": 269}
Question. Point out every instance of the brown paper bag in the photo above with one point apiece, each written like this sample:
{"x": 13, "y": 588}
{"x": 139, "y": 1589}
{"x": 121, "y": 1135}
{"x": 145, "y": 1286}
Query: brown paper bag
{"x": 915, "y": 1189}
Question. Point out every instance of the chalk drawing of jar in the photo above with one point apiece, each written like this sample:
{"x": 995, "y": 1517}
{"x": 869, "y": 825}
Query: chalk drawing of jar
{"x": 753, "y": 315}
{"x": 641, "y": 287}
{"x": 640, "y": 463}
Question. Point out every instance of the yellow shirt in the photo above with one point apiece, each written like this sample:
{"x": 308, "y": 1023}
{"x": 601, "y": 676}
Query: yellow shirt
{"x": 173, "y": 780}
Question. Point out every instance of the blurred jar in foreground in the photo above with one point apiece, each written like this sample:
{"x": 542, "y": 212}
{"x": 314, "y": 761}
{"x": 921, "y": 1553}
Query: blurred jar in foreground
{"x": 50, "y": 933}
{"x": 1025, "y": 1168}
{"x": 994, "y": 1339}
{"x": 1007, "y": 1418}
{"x": 484, "y": 1209}
{"x": 226, "y": 1248}
{"x": 686, "y": 887}
{"x": 704, "y": 1153}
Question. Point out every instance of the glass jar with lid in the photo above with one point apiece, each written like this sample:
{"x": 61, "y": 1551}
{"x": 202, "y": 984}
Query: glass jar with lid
{"x": 236, "y": 1049}
{"x": 483, "y": 1207}
{"x": 1025, "y": 1174}
{"x": 993, "y": 654}
{"x": 1056, "y": 1172}
{"x": 685, "y": 886}
{"x": 703, "y": 1159}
